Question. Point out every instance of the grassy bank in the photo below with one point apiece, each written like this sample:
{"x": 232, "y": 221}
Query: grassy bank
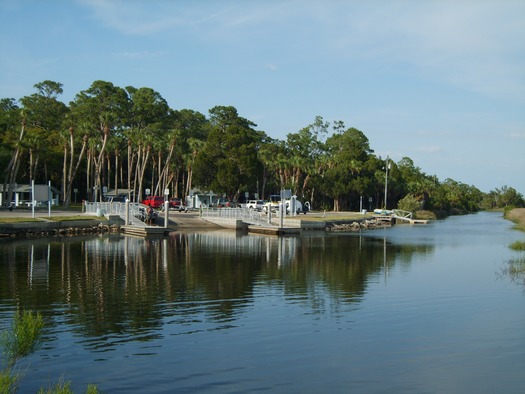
{"x": 48, "y": 219}
{"x": 516, "y": 266}
{"x": 517, "y": 215}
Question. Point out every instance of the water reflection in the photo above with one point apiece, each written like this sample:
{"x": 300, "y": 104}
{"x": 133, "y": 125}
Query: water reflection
{"x": 383, "y": 311}
{"x": 112, "y": 289}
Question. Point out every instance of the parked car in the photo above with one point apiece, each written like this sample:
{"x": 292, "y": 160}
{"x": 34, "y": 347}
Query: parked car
{"x": 299, "y": 207}
{"x": 275, "y": 199}
{"x": 153, "y": 201}
{"x": 116, "y": 198}
{"x": 224, "y": 203}
{"x": 257, "y": 205}
{"x": 177, "y": 204}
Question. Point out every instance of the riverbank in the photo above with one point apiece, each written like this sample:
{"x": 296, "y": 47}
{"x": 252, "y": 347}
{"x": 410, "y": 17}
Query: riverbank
{"x": 21, "y": 223}
{"x": 517, "y": 215}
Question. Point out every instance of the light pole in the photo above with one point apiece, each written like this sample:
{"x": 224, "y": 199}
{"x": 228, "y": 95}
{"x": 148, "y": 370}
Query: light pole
{"x": 387, "y": 167}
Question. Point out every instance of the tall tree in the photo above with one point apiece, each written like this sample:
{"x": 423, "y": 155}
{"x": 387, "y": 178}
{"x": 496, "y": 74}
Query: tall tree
{"x": 347, "y": 153}
{"x": 10, "y": 120}
{"x": 44, "y": 115}
{"x": 229, "y": 161}
{"x": 149, "y": 125}
{"x": 105, "y": 109}
{"x": 304, "y": 150}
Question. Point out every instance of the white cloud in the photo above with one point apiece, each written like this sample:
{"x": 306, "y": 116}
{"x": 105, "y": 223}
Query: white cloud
{"x": 517, "y": 135}
{"x": 135, "y": 17}
{"x": 139, "y": 55}
{"x": 476, "y": 46}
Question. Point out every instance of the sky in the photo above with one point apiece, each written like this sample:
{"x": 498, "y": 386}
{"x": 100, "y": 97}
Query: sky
{"x": 441, "y": 82}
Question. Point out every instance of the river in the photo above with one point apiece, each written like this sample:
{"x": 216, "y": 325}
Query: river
{"x": 408, "y": 309}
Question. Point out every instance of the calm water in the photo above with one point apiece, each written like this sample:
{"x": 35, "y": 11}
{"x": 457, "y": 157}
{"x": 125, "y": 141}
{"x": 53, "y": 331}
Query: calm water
{"x": 423, "y": 309}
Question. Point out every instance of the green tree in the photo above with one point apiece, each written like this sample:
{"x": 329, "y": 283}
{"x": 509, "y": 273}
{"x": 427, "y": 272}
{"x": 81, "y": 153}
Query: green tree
{"x": 303, "y": 151}
{"x": 190, "y": 130}
{"x": 44, "y": 116}
{"x": 507, "y": 197}
{"x": 150, "y": 138}
{"x": 347, "y": 154}
{"x": 10, "y": 121}
{"x": 229, "y": 163}
{"x": 102, "y": 109}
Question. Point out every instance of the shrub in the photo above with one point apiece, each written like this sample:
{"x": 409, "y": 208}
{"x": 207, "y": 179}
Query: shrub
{"x": 409, "y": 203}
{"x": 518, "y": 245}
{"x": 24, "y": 337}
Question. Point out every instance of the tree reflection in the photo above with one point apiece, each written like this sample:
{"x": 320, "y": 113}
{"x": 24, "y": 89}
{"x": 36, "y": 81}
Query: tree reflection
{"x": 114, "y": 289}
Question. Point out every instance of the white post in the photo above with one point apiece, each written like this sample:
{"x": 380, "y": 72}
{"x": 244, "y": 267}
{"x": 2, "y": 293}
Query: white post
{"x": 166, "y": 207}
{"x": 281, "y": 214}
{"x": 33, "y": 198}
{"x": 166, "y": 212}
{"x": 49, "y": 198}
{"x": 126, "y": 220}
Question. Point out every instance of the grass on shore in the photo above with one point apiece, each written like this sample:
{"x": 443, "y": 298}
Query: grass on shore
{"x": 330, "y": 216}
{"x": 516, "y": 266}
{"x": 48, "y": 219}
{"x": 517, "y": 215}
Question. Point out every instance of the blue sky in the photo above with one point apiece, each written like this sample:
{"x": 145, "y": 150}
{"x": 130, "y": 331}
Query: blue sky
{"x": 442, "y": 82}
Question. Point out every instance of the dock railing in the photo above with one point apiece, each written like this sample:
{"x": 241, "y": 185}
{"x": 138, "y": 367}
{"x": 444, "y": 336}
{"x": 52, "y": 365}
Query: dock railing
{"x": 403, "y": 215}
{"x": 136, "y": 211}
{"x": 247, "y": 215}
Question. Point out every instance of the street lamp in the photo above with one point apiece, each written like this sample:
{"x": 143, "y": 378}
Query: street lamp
{"x": 387, "y": 167}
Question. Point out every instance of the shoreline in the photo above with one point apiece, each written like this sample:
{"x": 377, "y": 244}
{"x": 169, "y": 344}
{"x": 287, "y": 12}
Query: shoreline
{"x": 20, "y": 223}
{"x": 516, "y": 215}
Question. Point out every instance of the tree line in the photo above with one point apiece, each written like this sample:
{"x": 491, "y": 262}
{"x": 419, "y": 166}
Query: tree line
{"x": 130, "y": 139}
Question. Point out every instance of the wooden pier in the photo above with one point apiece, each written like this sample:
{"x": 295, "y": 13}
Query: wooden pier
{"x": 145, "y": 231}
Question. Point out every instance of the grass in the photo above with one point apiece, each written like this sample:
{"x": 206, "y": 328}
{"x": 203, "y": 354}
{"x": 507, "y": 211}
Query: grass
{"x": 47, "y": 219}
{"x": 18, "y": 220}
{"x": 72, "y": 218}
{"x": 518, "y": 245}
{"x": 517, "y": 215}
{"x": 24, "y": 338}
{"x": 516, "y": 270}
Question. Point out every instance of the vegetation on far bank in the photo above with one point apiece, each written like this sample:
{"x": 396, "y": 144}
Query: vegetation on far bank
{"x": 129, "y": 139}
{"x": 516, "y": 266}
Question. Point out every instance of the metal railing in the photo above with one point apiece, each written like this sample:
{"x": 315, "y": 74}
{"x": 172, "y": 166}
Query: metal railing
{"x": 403, "y": 215}
{"x": 245, "y": 214}
{"x": 137, "y": 211}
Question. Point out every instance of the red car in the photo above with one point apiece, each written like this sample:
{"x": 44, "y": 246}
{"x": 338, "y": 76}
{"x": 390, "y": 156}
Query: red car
{"x": 176, "y": 203}
{"x": 153, "y": 201}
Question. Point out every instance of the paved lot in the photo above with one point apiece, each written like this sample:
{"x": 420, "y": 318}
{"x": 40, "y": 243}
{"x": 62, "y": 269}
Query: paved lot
{"x": 182, "y": 220}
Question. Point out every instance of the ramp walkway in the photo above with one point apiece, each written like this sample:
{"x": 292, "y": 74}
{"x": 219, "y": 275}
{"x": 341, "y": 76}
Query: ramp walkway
{"x": 137, "y": 211}
{"x": 134, "y": 220}
{"x": 251, "y": 219}
{"x": 397, "y": 215}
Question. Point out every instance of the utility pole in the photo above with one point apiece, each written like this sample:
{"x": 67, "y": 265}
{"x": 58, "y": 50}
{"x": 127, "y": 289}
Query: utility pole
{"x": 387, "y": 167}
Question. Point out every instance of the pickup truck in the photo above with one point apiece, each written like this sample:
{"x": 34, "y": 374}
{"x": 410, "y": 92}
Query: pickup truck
{"x": 255, "y": 204}
{"x": 274, "y": 205}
